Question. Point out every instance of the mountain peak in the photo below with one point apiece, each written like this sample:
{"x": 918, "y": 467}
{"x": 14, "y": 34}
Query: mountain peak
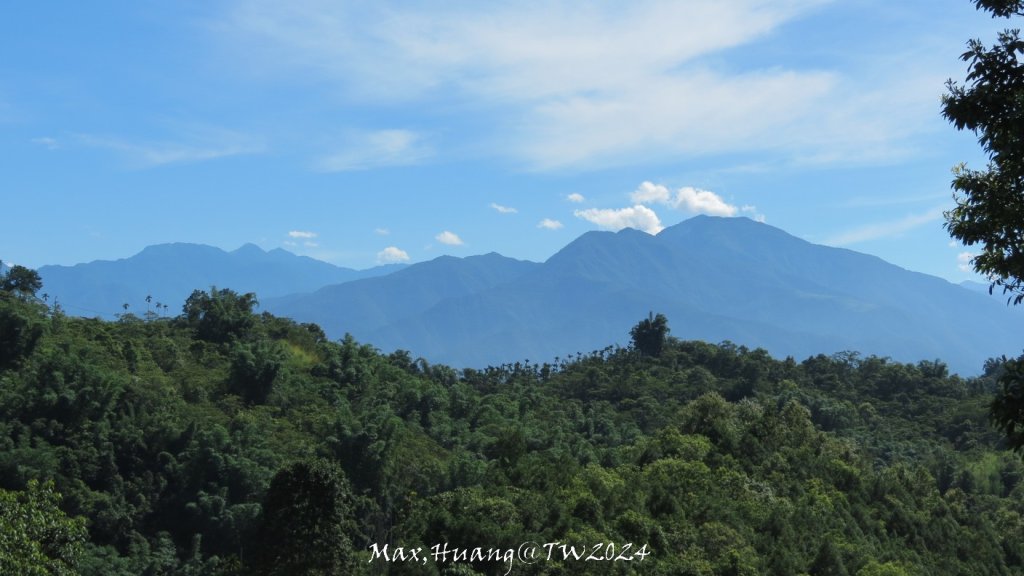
{"x": 177, "y": 249}
{"x": 248, "y": 249}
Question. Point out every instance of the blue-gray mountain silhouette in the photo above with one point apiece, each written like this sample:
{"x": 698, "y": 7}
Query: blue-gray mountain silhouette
{"x": 170, "y": 272}
{"x": 715, "y": 279}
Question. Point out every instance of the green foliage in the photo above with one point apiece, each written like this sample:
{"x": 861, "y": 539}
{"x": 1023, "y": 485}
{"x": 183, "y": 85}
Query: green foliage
{"x": 257, "y": 446}
{"x": 21, "y": 315}
{"x": 305, "y": 521}
{"x": 873, "y": 568}
{"x": 36, "y": 537}
{"x": 20, "y": 281}
{"x": 649, "y": 334}
{"x": 254, "y": 369}
{"x": 21, "y": 327}
{"x": 1008, "y": 405}
{"x": 220, "y": 315}
{"x": 990, "y": 202}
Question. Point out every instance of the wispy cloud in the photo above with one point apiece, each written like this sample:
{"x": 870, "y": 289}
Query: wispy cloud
{"x": 890, "y": 200}
{"x": 687, "y": 198}
{"x": 378, "y": 149}
{"x": 582, "y": 85}
{"x": 392, "y": 255}
{"x": 639, "y": 217}
{"x": 885, "y": 229}
{"x": 193, "y": 144}
{"x": 301, "y": 234}
{"x": 576, "y": 198}
{"x": 381, "y": 231}
{"x": 503, "y": 209}
{"x": 748, "y": 209}
{"x": 46, "y": 142}
{"x": 449, "y": 238}
{"x": 549, "y": 224}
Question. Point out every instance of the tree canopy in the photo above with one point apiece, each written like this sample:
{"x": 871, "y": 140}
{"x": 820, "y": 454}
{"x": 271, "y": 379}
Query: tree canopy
{"x": 649, "y": 334}
{"x": 990, "y": 202}
{"x": 20, "y": 281}
{"x": 220, "y": 315}
{"x": 277, "y": 451}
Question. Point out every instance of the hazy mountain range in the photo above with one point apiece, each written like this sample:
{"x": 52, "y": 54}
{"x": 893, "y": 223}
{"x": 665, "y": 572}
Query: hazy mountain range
{"x": 170, "y": 272}
{"x": 714, "y": 278}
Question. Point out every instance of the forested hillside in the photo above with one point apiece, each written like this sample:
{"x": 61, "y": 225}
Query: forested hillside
{"x": 227, "y": 442}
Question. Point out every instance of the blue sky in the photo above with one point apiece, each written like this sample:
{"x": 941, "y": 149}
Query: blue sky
{"x": 370, "y": 132}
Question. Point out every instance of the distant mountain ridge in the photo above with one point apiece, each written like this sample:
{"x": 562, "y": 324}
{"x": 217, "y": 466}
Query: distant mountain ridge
{"x": 715, "y": 278}
{"x": 375, "y": 303}
{"x": 170, "y": 272}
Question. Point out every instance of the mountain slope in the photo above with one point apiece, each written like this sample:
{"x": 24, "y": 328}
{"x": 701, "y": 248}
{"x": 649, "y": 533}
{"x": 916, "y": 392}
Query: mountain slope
{"x": 368, "y": 304}
{"x": 170, "y": 272}
{"x": 715, "y": 278}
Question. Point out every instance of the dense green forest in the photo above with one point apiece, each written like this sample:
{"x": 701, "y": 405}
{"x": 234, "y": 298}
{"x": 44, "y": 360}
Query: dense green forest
{"x": 224, "y": 441}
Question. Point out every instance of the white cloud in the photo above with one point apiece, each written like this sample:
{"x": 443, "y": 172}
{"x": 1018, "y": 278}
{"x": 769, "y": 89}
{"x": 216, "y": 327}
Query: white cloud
{"x": 576, "y": 197}
{"x": 549, "y": 224}
{"x": 378, "y": 149}
{"x": 377, "y": 51}
{"x": 449, "y": 238}
{"x": 392, "y": 255}
{"x": 686, "y": 198}
{"x": 301, "y": 234}
{"x": 963, "y": 261}
{"x": 381, "y": 231}
{"x": 748, "y": 209}
{"x": 885, "y": 229}
{"x": 311, "y": 244}
{"x": 582, "y": 85}
{"x": 639, "y": 217}
{"x": 503, "y": 209}
{"x": 648, "y": 193}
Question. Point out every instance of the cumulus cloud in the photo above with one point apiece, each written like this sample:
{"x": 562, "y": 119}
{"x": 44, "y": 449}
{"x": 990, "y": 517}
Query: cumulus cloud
{"x": 963, "y": 261}
{"x": 302, "y": 234}
{"x": 639, "y": 217}
{"x": 449, "y": 238}
{"x": 549, "y": 224}
{"x": 686, "y": 198}
{"x": 392, "y": 255}
{"x": 576, "y": 197}
{"x": 377, "y": 149}
{"x": 503, "y": 209}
